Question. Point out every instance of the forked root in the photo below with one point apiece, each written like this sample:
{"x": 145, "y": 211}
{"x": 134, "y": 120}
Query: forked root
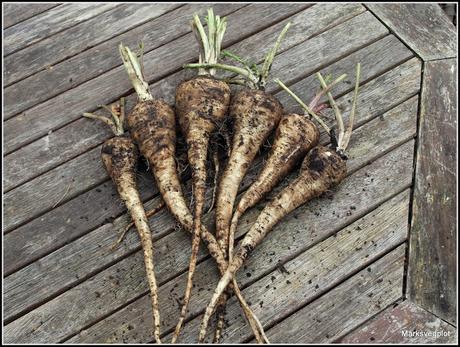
{"x": 252, "y": 319}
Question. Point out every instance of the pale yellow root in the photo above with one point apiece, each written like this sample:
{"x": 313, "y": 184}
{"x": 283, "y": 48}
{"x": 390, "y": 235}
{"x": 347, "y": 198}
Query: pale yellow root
{"x": 224, "y": 281}
{"x": 125, "y": 230}
{"x": 130, "y": 196}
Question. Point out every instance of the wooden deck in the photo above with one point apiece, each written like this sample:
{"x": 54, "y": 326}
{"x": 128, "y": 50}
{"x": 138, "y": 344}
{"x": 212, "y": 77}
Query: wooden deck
{"x": 338, "y": 269}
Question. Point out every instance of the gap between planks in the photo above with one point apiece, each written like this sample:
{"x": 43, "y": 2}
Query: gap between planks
{"x": 388, "y": 326}
{"x": 24, "y": 15}
{"x": 307, "y": 84}
{"x": 54, "y": 124}
{"x": 16, "y": 60}
{"x": 95, "y": 58}
{"x": 73, "y": 15}
{"x": 69, "y": 197}
{"x": 333, "y": 305}
{"x": 431, "y": 281}
{"x": 422, "y": 27}
{"x": 324, "y": 254}
{"x": 385, "y": 161}
{"x": 380, "y": 161}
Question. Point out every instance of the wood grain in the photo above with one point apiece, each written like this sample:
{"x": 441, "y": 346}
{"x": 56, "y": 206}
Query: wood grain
{"x": 347, "y": 305}
{"x": 18, "y": 215}
{"x": 127, "y": 275}
{"x": 102, "y": 57}
{"x": 14, "y": 13}
{"x": 376, "y": 59}
{"x": 49, "y": 23}
{"x": 432, "y": 266}
{"x": 314, "y": 272}
{"x": 65, "y": 223}
{"x": 49, "y": 230}
{"x": 21, "y": 203}
{"x": 113, "y": 19}
{"x": 405, "y": 323}
{"x": 370, "y": 142}
{"x": 159, "y": 63}
{"x": 62, "y": 282}
{"x": 423, "y": 27}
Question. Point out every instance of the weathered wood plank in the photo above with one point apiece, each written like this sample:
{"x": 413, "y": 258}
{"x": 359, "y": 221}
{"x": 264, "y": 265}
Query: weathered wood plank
{"x": 405, "y": 323}
{"x": 315, "y": 271}
{"x": 321, "y": 18}
{"x": 379, "y": 88}
{"x": 432, "y": 265}
{"x": 129, "y": 273}
{"x": 44, "y": 180}
{"x": 399, "y": 124}
{"x": 53, "y": 229}
{"x": 58, "y": 146}
{"x": 423, "y": 27}
{"x": 35, "y": 159}
{"x": 67, "y": 222}
{"x": 402, "y": 81}
{"x": 347, "y": 305}
{"x": 90, "y": 209}
{"x": 45, "y": 25}
{"x": 76, "y": 39}
{"x": 103, "y": 57}
{"x": 385, "y": 72}
{"x": 115, "y": 328}
{"x": 14, "y": 13}
{"x": 20, "y": 204}
{"x": 159, "y": 63}
{"x": 369, "y": 141}
{"x": 376, "y": 58}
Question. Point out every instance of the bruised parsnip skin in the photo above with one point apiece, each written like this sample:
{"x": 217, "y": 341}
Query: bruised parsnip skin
{"x": 255, "y": 114}
{"x": 120, "y": 156}
{"x": 321, "y": 169}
